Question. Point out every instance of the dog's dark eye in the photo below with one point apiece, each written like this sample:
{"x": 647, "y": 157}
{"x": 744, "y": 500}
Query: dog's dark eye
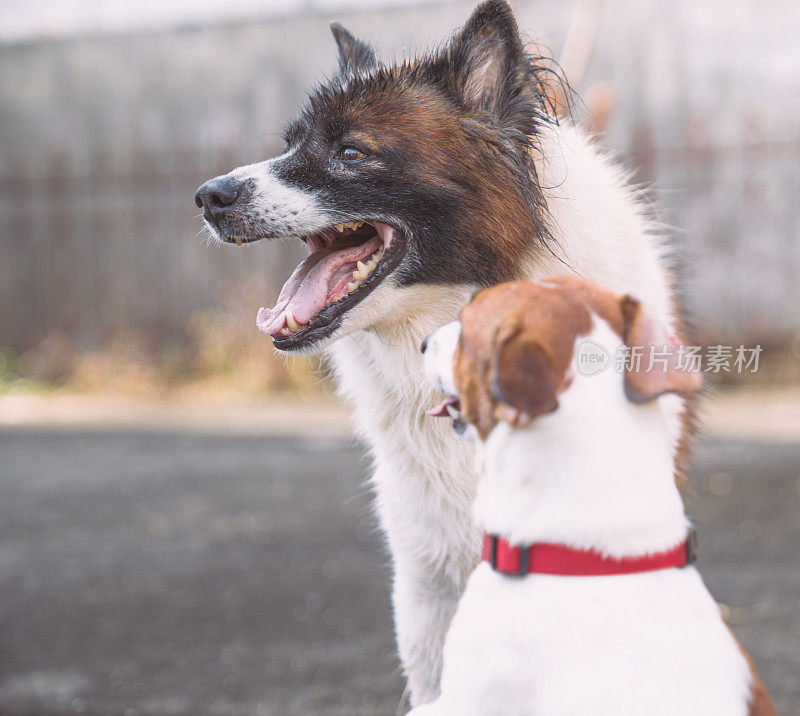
{"x": 351, "y": 154}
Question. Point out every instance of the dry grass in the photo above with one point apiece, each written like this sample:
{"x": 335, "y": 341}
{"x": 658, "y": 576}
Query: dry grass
{"x": 218, "y": 354}
{"x": 221, "y": 354}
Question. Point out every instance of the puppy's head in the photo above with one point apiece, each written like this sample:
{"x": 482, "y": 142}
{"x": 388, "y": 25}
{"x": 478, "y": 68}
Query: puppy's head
{"x": 518, "y": 347}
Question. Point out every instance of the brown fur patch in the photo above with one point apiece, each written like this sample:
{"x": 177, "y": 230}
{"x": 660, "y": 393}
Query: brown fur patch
{"x": 502, "y": 326}
{"x": 416, "y": 123}
{"x": 523, "y": 379}
{"x": 760, "y": 703}
{"x": 642, "y": 330}
{"x": 517, "y": 342}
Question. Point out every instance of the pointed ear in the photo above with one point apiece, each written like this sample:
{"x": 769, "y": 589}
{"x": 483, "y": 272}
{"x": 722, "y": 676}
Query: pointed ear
{"x": 663, "y": 366}
{"x": 487, "y": 59}
{"x": 354, "y": 55}
{"x": 522, "y": 380}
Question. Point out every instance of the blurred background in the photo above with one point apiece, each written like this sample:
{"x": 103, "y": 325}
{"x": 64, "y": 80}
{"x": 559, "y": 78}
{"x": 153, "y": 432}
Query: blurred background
{"x": 160, "y": 467}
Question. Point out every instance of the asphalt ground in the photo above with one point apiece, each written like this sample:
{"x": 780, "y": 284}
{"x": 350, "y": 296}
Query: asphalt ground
{"x": 173, "y": 573}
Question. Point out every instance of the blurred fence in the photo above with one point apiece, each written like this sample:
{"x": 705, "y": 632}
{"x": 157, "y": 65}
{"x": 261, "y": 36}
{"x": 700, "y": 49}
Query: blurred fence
{"x": 112, "y": 245}
{"x": 103, "y": 141}
{"x": 709, "y": 111}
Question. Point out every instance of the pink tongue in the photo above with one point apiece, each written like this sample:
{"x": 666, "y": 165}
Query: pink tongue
{"x": 307, "y": 290}
{"x": 440, "y": 411}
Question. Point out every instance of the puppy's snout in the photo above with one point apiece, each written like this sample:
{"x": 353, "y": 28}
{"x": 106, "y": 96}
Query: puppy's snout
{"x": 218, "y": 195}
{"x": 439, "y": 348}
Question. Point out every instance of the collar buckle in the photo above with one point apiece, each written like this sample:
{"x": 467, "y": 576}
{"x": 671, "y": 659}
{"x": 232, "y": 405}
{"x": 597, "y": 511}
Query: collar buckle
{"x": 524, "y": 552}
{"x": 492, "y": 551}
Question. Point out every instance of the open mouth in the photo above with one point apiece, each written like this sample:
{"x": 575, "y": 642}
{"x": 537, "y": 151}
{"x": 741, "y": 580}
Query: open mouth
{"x": 450, "y": 407}
{"x": 347, "y": 261}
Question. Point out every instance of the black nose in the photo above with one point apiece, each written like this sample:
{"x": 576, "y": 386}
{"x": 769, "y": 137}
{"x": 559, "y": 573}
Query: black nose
{"x": 217, "y": 195}
{"x": 424, "y": 345}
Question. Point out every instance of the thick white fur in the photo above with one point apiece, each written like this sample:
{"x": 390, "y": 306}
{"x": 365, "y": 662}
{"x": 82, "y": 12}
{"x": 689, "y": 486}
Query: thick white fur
{"x": 274, "y": 205}
{"x": 424, "y": 476}
{"x": 596, "y": 473}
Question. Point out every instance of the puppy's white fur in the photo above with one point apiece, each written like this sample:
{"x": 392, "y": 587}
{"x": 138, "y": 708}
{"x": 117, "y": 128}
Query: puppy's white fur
{"x": 595, "y": 474}
{"x": 424, "y": 476}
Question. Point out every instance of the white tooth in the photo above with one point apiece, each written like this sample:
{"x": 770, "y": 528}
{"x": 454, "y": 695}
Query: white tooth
{"x": 291, "y": 322}
{"x": 453, "y": 412}
{"x": 285, "y": 331}
{"x": 362, "y": 267}
{"x": 352, "y": 286}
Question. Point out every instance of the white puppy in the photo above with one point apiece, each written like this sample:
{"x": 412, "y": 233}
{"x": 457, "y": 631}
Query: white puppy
{"x": 603, "y": 613}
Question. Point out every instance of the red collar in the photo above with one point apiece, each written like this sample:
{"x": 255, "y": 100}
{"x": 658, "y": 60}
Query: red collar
{"x": 549, "y": 558}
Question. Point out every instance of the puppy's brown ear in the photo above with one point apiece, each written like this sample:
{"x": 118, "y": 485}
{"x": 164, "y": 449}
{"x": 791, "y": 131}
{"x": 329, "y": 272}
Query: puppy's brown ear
{"x": 522, "y": 380}
{"x": 658, "y": 362}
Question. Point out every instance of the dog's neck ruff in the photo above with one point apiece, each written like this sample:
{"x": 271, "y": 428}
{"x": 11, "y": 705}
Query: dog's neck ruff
{"x": 562, "y": 560}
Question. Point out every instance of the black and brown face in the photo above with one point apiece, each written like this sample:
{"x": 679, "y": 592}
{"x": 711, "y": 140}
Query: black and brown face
{"x": 413, "y": 174}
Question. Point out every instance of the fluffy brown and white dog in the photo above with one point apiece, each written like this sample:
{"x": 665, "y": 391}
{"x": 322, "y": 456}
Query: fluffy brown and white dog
{"x": 413, "y": 185}
{"x": 587, "y": 601}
